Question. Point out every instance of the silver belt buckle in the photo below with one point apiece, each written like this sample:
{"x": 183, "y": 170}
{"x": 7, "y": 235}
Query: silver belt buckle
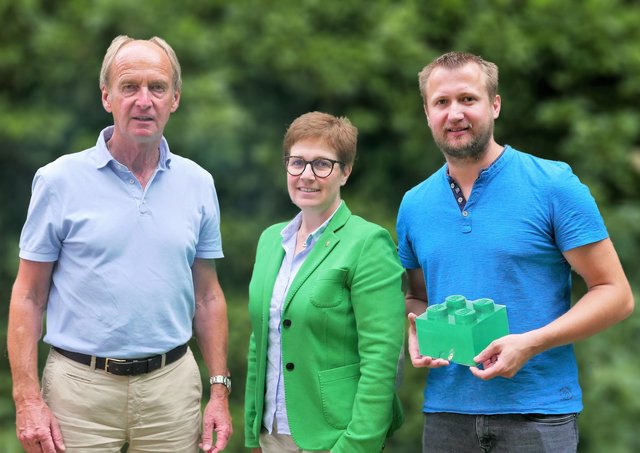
{"x": 107, "y": 360}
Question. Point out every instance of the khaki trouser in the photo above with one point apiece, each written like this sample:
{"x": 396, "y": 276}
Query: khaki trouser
{"x": 279, "y": 443}
{"x": 98, "y": 412}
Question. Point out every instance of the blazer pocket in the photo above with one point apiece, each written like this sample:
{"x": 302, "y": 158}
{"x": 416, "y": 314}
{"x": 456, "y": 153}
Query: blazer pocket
{"x": 338, "y": 388}
{"x": 329, "y": 288}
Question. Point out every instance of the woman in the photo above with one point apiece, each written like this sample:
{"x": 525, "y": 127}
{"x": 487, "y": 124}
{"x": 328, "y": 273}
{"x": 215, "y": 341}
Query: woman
{"x": 326, "y": 308}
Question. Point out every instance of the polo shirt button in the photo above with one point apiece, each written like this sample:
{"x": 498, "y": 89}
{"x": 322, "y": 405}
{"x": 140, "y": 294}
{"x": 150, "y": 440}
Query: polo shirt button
{"x": 131, "y": 181}
{"x": 465, "y": 213}
{"x": 286, "y": 323}
{"x": 290, "y": 366}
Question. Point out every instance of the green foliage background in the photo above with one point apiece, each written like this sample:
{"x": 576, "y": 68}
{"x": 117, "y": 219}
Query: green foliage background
{"x": 570, "y": 83}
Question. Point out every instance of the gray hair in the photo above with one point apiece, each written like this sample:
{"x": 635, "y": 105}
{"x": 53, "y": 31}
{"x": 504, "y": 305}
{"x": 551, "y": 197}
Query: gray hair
{"x": 120, "y": 41}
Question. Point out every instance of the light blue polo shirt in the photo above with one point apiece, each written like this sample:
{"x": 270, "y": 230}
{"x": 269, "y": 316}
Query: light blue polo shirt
{"x": 122, "y": 284}
{"x": 506, "y": 244}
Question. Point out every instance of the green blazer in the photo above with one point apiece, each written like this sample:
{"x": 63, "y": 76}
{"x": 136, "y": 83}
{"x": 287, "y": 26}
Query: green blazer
{"x": 342, "y": 335}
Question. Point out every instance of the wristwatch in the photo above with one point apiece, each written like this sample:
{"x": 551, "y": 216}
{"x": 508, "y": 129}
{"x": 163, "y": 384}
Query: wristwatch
{"x": 220, "y": 379}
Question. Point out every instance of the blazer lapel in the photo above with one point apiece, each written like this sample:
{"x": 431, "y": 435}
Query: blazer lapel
{"x": 321, "y": 250}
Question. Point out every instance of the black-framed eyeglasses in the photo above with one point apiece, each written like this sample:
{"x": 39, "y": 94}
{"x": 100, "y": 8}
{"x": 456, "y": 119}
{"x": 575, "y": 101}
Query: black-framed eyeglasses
{"x": 320, "y": 167}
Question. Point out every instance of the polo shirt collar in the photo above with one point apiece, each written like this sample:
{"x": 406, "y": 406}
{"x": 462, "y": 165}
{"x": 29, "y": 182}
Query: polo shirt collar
{"x": 102, "y": 155}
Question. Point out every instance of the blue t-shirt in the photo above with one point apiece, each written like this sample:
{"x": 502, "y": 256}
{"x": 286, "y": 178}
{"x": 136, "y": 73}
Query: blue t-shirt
{"x": 122, "y": 284}
{"x": 507, "y": 245}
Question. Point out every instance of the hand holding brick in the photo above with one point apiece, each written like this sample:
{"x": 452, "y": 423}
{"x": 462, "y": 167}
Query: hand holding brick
{"x": 458, "y": 329}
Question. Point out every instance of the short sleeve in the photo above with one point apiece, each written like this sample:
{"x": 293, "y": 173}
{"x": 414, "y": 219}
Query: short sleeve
{"x": 210, "y": 240}
{"x": 40, "y": 239}
{"x": 576, "y": 218}
{"x": 405, "y": 247}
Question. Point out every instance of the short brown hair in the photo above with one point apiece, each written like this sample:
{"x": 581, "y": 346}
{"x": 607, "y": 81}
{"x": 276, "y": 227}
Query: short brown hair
{"x": 453, "y": 60}
{"x": 337, "y": 133}
{"x": 120, "y": 41}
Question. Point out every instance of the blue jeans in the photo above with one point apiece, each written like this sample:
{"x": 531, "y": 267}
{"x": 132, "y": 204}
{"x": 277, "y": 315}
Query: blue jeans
{"x": 521, "y": 433}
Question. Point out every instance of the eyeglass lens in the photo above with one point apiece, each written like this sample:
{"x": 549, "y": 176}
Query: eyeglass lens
{"x": 320, "y": 167}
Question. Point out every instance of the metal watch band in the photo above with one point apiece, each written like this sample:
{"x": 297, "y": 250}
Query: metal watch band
{"x": 220, "y": 379}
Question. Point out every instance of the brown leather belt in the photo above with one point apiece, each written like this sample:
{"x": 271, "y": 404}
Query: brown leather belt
{"x": 127, "y": 367}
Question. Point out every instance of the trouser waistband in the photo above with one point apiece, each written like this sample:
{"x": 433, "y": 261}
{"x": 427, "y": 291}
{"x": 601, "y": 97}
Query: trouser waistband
{"x": 127, "y": 367}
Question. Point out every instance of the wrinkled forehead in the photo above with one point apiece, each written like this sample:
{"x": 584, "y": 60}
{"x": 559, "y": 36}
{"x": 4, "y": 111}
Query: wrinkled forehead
{"x": 141, "y": 55}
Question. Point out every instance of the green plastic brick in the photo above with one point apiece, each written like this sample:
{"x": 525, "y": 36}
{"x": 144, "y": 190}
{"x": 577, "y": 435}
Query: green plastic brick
{"x": 459, "y": 329}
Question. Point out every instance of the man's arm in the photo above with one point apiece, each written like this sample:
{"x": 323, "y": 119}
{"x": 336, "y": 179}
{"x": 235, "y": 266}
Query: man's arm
{"x": 36, "y": 427}
{"x": 416, "y": 303}
{"x": 211, "y": 331}
{"x": 607, "y": 301}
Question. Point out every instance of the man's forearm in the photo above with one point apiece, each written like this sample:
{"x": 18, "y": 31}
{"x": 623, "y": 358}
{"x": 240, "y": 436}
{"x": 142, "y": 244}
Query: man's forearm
{"x": 23, "y": 334}
{"x": 211, "y": 330}
{"x": 415, "y": 305}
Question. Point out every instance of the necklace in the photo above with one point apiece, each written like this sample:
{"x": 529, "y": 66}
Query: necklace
{"x": 301, "y": 239}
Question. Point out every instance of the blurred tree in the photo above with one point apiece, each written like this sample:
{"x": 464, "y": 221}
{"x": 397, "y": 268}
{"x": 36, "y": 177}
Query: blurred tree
{"x": 570, "y": 77}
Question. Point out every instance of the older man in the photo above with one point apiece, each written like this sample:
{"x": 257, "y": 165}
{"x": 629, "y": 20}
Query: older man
{"x": 118, "y": 250}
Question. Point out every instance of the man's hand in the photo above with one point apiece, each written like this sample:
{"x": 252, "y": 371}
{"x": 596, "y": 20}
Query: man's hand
{"x": 418, "y": 360}
{"x": 503, "y": 357}
{"x": 216, "y": 418}
{"x": 37, "y": 428}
